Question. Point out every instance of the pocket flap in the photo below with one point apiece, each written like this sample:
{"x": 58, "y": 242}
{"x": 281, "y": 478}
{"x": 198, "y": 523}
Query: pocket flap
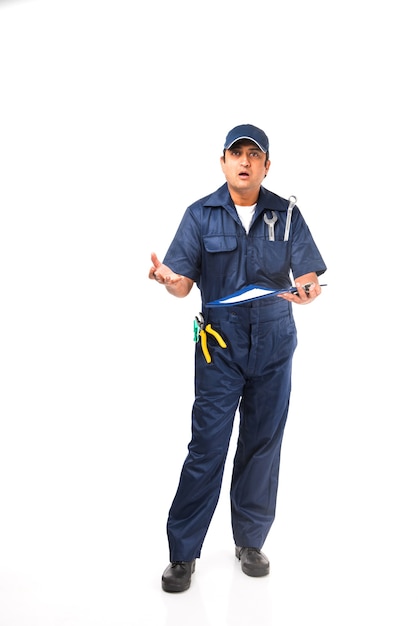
{"x": 220, "y": 243}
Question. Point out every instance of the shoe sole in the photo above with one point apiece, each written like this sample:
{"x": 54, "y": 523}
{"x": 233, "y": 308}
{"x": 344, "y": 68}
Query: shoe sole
{"x": 256, "y": 573}
{"x": 172, "y": 589}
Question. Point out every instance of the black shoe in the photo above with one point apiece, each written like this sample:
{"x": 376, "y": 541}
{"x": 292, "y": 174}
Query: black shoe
{"x": 178, "y": 576}
{"x": 253, "y": 561}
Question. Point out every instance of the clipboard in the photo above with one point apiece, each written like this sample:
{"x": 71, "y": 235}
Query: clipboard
{"x": 248, "y": 293}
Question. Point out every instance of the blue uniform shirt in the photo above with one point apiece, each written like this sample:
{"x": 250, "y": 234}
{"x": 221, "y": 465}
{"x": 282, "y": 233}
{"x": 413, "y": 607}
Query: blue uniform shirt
{"x": 212, "y": 247}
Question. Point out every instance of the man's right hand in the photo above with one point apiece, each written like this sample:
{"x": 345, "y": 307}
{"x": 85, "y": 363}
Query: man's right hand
{"x": 161, "y": 273}
{"x": 176, "y": 284}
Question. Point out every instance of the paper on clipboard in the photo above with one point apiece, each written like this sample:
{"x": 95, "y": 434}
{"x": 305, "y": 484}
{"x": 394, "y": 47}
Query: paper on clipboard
{"x": 250, "y": 292}
{"x": 253, "y": 292}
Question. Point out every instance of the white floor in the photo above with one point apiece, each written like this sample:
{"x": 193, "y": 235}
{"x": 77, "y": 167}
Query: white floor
{"x": 83, "y": 542}
{"x": 112, "y": 578}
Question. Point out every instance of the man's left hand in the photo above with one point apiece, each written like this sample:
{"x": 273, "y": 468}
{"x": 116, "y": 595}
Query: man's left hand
{"x": 307, "y": 287}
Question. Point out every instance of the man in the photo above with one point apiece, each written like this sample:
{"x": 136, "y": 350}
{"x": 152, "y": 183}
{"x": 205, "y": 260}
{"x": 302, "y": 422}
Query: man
{"x": 233, "y": 238}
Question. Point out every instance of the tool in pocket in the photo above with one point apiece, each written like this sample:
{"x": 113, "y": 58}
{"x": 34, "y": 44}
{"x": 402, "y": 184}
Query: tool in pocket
{"x": 201, "y": 332}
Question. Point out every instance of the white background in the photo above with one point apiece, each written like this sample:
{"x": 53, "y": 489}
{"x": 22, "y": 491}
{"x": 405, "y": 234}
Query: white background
{"x": 112, "y": 121}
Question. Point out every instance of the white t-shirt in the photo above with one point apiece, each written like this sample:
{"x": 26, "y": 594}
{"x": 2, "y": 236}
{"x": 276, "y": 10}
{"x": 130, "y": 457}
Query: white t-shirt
{"x": 246, "y": 214}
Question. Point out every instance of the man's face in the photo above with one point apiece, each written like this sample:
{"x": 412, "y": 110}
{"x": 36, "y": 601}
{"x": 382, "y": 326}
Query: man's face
{"x": 244, "y": 166}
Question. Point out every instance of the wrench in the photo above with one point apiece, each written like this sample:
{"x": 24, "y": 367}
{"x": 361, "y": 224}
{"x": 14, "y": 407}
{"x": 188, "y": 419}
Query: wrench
{"x": 292, "y": 203}
{"x": 270, "y": 221}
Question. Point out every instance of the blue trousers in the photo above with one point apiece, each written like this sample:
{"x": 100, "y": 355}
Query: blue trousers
{"x": 254, "y": 374}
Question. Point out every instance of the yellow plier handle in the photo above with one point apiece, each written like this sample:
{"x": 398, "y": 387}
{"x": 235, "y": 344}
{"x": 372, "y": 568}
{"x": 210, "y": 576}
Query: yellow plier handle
{"x": 203, "y": 330}
{"x": 204, "y": 344}
{"x": 215, "y": 334}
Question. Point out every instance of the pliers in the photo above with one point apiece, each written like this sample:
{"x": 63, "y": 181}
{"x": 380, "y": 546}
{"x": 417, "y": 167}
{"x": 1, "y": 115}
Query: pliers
{"x": 200, "y": 330}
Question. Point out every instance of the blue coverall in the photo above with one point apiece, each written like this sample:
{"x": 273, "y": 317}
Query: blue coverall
{"x": 212, "y": 248}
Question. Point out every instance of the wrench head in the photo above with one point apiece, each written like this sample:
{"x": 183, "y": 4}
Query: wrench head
{"x": 270, "y": 220}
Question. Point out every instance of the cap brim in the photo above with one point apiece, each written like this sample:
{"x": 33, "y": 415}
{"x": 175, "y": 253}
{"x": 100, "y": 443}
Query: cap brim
{"x": 245, "y": 137}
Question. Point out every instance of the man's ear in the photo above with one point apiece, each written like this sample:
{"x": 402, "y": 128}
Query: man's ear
{"x": 267, "y": 168}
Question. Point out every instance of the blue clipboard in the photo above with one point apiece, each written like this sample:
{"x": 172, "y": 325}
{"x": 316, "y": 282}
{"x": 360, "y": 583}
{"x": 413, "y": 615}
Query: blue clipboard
{"x": 248, "y": 293}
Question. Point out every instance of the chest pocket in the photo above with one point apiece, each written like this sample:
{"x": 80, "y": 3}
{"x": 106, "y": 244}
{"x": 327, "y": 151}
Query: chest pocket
{"x": 219, "y": 254}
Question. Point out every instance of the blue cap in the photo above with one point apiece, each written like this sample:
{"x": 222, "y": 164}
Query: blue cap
{"x": 247, "y": 131}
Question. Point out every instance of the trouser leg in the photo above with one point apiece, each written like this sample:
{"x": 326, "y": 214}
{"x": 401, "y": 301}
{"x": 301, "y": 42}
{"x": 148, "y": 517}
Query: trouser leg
{"x": 263, "y": 414}
{"x": 201, "y": 476}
